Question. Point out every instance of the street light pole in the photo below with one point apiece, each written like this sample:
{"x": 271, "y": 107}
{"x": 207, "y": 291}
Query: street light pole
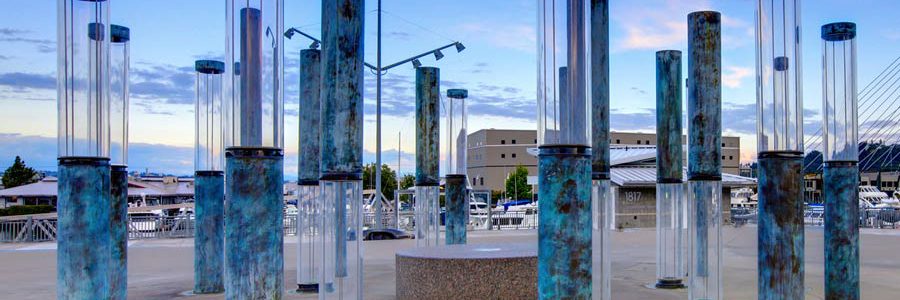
{"x": 378, "y": 73}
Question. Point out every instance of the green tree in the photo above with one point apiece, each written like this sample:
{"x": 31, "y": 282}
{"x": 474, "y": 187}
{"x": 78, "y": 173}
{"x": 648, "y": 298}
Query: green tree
{"x": 388, "y": 180}
{"x": 407, "y": 181}
{"x": 18, "y": 174}
{"x": 517, "y": 187}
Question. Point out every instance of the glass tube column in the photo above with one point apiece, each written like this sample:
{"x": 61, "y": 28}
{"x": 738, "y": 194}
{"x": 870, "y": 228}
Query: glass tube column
{"x": 603, "y": 198}
{"x": 841, "y": 173}
{"x": 209, "y": 179}
{"x": 341, "y": 149}
{"x": 704, "y": 155}
{"x": 564, "y": 140}
{"x": 308, "y": 202}
{"x": 254, "y": 265}
{"x": 780, "y": 144}
{"x": 84, "y": 203}
{"x": 455, "y": 188}
{"x": 120, "y": 38}
{"x": 427, "y": 210}
{"x": 669, "y": 161}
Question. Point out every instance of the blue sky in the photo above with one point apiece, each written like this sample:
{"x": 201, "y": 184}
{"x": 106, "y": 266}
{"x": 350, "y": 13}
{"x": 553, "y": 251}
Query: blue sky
{"x": 498, "y": 67}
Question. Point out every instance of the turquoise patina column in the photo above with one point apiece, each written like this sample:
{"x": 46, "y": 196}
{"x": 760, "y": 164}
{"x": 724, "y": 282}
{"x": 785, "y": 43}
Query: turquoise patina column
{"x": 603, "y": 197}
{"x": 341, "y": 149}
{"x": 669, "y": 169}
{"x": 308, "y": 202}
{"x": 84, "y": 205}
{"x": 456, "y": 192}
{"x": 840, "y": 176}
{"x": 704, "y": 154}
{"x": 254, "y": 159}
{"x": 209, "y": 179}
{"x": 427, "y": 207}
{"x": 120, "y": 42}
{"x": 780, "y": 236}
{"x": 564, "y": 140}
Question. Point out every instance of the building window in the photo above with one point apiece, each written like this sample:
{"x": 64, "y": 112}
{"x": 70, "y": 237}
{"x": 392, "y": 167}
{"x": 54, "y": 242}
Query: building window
{"x": 474, "y": 181}
{"x": 723, "y": 156}
{"x": 647, "y": 142}
{"x": 513, "y": 155}
{"x": 513, "y": 142}
{"x": 730, "y": 157}
{"x": 482, "y": 180}
{"x": 639, "y": 142}
{"x": 618, "y": 141}
{"x": 502, "y": 142}
{"x": 502, "y": 155}
{"x": 535, "y": 141}
{"x": 723, "y": 144}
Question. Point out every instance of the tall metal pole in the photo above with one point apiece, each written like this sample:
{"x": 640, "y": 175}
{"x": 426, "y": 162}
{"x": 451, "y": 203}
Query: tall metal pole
{"x": 841, "y": 173}
{"x": 427, "y": 209}
{"x": 209, "y": 179}
{"x": 565, "y": 232}
{"x": 669, "y": 160}
{"x": 378, "y": 72}
{"x": 118, "y": 158}
{"x": 780, "y": 234}
{"x": 602, "y": 194}
{"x": 341, "y": 149}
{"x": 308, "y": 200}
{"x": 704, "y": 154}
{"x": 254, "y": 163}
{"x": 84, "y": 206}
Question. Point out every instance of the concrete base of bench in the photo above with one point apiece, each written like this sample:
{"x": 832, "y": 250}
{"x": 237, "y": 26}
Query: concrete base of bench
{"x": 480, "y": 271}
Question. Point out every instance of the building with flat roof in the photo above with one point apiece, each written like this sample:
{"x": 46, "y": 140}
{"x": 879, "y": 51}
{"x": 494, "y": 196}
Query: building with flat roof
{"x": 494, "y": 153}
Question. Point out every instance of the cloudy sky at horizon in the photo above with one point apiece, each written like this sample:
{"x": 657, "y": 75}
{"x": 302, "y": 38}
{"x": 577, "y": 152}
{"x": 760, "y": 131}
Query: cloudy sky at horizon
{"x": 498, "y": 67}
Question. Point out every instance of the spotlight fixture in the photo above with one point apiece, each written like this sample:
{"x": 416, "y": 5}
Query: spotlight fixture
{"x": 416, "y": 63}
{"x": 438, "y": 55}
{"x": 289, "y": 34}
{"x": 460, "y": 47}
{"x": 314, "y": 45}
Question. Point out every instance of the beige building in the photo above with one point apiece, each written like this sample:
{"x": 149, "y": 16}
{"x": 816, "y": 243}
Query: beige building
{"x": 494, "y": 153}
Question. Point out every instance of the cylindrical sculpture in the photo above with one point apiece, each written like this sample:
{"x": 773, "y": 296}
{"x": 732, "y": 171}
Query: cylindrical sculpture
{"x": 456, "y": 194}
{"x": 841, "y": 173}
{"x": 428, "y": 100}
{"x": 341, "y": 149}
{"x": 602, "y": 197}
{"x": 118, "y": 158}
{"x": 704, "y": 154}
{"x": 564, "y": 141}
{"x": 254, "y": 264}
{"x": 84, "y": 205}
{"x": 209, "y": 179}
{"x": 780, "y": 144}
{"x": 308, "y": 203}
{"x": 669, "y": 161}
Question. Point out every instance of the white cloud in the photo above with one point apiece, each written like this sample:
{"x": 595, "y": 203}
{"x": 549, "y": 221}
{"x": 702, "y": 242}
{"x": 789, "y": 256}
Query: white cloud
{"x": 733, "y": 76}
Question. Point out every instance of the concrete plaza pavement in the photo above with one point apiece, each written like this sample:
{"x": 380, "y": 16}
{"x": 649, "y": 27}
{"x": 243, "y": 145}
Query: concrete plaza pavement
{"x": 163, "y": 269}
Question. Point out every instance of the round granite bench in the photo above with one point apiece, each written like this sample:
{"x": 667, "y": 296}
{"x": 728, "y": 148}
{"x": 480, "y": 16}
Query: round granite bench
{"x": 480, "y": 271}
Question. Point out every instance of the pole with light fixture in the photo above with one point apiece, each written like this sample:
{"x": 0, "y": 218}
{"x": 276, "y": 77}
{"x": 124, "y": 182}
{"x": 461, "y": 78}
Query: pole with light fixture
{"x": 379, "y": 71}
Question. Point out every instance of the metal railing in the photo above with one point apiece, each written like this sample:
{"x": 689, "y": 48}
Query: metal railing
{"x": 139, "y": 228}
{"x": 868, "y": 217}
